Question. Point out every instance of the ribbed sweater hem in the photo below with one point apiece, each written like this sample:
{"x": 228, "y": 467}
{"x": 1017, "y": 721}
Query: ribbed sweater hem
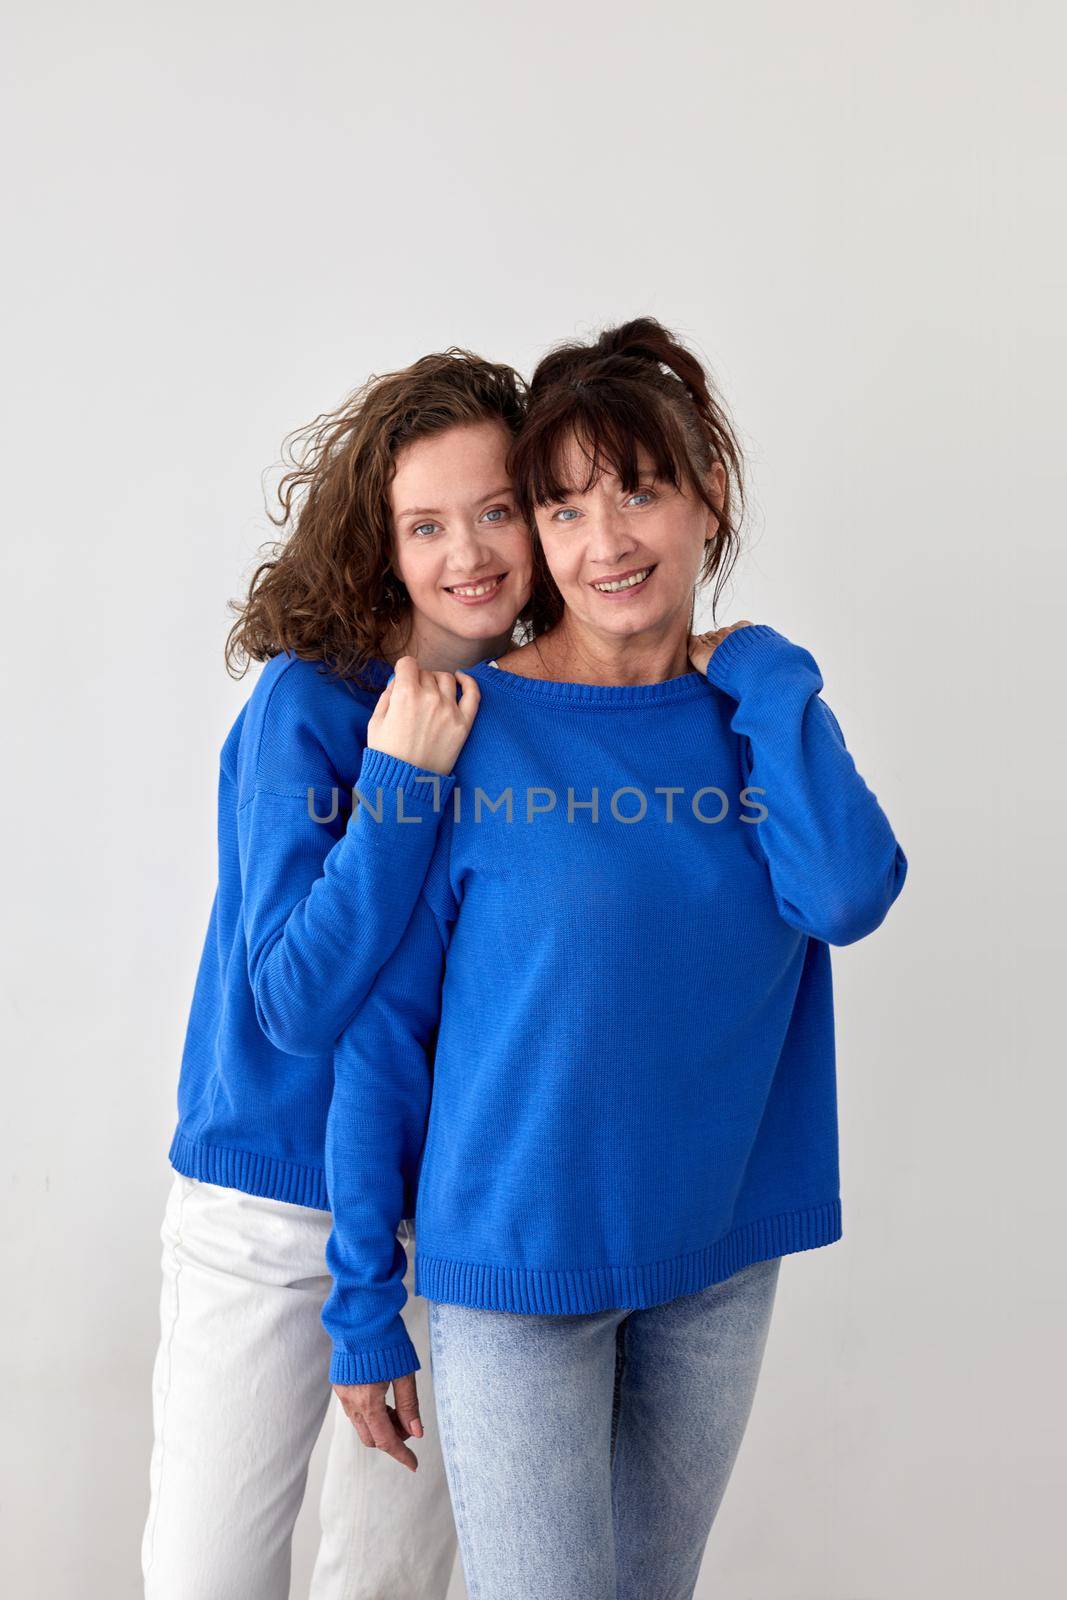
{"x": 539, "y": 1291}
{"x": 266, "y": 1176}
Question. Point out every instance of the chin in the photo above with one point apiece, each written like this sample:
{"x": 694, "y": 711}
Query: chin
{"x": 479, "y": 622}
{"x": 636, "y": 622}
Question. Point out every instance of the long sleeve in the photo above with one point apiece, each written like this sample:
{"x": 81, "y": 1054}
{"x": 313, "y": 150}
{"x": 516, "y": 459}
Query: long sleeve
{"x": 374, "y": 1143}
{"x": 324, "y": 902}
{"x": 834, "y": 863}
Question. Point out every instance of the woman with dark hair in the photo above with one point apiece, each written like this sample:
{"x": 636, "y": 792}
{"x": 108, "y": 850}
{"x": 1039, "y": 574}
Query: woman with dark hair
{"x": 404, "y": 548}
{"x": 599, "y": 1066}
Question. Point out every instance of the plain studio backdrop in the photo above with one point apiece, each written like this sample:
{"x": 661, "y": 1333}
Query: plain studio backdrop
{"x": 221, "y": 218}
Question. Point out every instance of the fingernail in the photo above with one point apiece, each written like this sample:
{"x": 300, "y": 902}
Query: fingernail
{"x": 416, "y": 1427}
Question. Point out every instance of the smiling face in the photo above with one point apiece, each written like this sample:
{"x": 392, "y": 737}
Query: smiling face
{"x": 626, "y": 562}
{"x": 459, "y": 543}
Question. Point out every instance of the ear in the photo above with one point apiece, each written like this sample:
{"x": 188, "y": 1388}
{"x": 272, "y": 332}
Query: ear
{"x": 715, "y": 483}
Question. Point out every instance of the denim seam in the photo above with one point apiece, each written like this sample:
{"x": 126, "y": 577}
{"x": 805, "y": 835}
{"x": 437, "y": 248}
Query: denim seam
{"x": 444, "y": 1422}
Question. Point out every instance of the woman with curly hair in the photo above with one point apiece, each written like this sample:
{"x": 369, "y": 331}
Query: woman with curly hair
{"x": 598, "y": 1067}
{"x": 404, "y": 548}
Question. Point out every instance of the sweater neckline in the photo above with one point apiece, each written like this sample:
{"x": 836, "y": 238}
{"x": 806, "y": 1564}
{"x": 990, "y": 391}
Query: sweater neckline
{"x": 687, "y": 686}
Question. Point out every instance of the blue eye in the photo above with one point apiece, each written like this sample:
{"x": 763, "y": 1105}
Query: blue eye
{"x": 422, "y": 525}
{"x": 642, "y": 494}
{"x": 565, "y": 515}
{"x": 498, "y": 513}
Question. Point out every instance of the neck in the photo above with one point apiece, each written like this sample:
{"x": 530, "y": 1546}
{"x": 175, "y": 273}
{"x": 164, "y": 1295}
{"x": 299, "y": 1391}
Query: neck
{"x": 575, "y": 653}
{"x": 437, "y": 650}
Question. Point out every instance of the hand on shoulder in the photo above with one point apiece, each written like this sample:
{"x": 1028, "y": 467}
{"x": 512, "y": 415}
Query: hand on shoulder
{"x": 418, "y": 718}
{"x": 702, "y": 646}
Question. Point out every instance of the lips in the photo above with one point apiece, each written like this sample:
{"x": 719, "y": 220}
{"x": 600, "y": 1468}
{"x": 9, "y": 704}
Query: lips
{"x": 624, "y": 582}
{"x": 480, "y": 590}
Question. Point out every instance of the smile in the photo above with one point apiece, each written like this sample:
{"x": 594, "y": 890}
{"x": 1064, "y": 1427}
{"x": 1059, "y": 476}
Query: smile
{"x": 477, "y": 591}
{"x": 628, "y": 580}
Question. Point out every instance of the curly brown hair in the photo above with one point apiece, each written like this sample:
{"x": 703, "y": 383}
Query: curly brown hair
{"x": 328, "y": 592}
{"x": 636, "y": 387}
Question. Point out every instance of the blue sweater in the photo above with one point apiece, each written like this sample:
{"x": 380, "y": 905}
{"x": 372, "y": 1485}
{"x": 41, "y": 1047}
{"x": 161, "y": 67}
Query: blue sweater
{"x": 624, "y": 1014}
{"x": 311, "y": 900}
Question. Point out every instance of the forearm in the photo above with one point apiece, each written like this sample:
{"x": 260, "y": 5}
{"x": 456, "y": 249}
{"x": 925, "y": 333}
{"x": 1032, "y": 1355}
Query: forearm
{"x": 375, "y": 1135}
{"x": 312, "y": 963}
{"x": 370, "y": 1168}
{"x": 834, "y": 863}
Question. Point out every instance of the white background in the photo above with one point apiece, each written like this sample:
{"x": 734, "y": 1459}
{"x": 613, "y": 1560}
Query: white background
{"x": 222, "y": 218}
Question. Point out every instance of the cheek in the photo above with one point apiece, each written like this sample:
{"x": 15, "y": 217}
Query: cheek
{"x": 681, "y": 543}
{"x": 419, "y": 566}
{"x": 562, "y": 557}
{"x": 518, "y": 543}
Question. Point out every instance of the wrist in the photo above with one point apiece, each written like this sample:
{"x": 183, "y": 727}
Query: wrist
{"x": 380, "y": 770}
{"x": 754, "y": 653}
{"x": 380, "y": 1364}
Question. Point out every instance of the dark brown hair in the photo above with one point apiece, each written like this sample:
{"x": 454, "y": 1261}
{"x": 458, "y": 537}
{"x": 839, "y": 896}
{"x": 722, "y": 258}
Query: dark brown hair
{"x": 636, "y": 388}
{"x": 328, "y": 592}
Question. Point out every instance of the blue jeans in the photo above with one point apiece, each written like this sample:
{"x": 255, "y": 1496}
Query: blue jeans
{"x": 587, "y": 1455}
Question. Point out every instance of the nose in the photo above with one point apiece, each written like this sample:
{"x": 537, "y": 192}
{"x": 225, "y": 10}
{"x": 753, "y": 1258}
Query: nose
{"x": 468, "y": 554}
{"x": 611, "y": 537}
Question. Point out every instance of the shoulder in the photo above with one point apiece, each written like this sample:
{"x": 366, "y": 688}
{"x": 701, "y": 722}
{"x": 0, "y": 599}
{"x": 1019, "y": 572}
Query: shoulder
{"x": 291, "y": 690}
{"x": 524, "y": 661}
{"x": 288, "y": 682}
{"x": 303, "y": 724}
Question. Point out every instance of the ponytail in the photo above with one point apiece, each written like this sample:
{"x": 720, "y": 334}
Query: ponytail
{"x": 641, "y": 351}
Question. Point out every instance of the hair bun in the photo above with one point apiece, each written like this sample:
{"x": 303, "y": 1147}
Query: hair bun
{"x": 641, "y": 339}
{"x": 647, "y": 343}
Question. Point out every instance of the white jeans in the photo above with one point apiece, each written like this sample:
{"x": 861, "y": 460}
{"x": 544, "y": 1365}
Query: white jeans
{"x": 239, "y": 1393}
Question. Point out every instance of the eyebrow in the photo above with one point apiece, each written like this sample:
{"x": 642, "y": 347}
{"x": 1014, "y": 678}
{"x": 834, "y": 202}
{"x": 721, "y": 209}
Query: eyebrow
{"x": 433, "y": 511}
{"x": 572, "y": 491}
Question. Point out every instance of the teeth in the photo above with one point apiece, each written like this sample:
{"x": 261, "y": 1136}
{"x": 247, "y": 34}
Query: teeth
{"x": 476, "y": 590}
{"x": 623, "y": 583}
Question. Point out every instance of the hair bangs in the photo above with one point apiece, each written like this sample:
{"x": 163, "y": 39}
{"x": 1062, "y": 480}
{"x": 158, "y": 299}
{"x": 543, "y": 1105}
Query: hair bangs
{"x": 588, "y": 432}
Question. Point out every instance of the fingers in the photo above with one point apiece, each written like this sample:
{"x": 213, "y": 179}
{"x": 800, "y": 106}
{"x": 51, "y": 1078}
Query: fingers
{"x": 402, "y": 1430}
{"x": 715, "y": 636}
{"x": 352, "y": 1409}
{"x": 406, "y": 671}
{"x": 385, "y": 1435}
{"x": 702, "y": 646}
{"x": 381, "y": 705}
{"x": 382, "y": 1427}
{"x": 356, "y": 1418}
{"x": 406, "y": 1400}
{"x": 469, "y": 697}
{"x": 410, "y": 676}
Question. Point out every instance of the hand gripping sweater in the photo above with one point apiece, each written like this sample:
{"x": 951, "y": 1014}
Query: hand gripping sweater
{"x": 599, "y": 1066}
{"x": 311, "y": 900}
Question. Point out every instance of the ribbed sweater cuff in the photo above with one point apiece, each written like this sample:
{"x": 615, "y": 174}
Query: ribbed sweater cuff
{"x": 733, "y": 657}
{"x": 379, "y": 770}
{"x": 373, "y": 1366}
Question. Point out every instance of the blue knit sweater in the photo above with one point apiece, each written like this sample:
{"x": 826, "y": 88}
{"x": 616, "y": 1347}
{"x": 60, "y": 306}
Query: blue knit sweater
{"x": 312, "y": 898}
{"x": 599, "y": 1068}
